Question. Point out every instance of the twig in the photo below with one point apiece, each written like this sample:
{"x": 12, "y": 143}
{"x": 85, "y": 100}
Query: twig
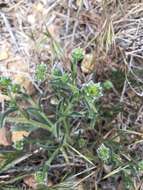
{"x": 68, "y": 17}
{"x": 7, "y": 24}
{"x": 53, "y": 6}
{"x": 83, "y": 179}
{"x": 56, "y": 166}
{"x": 76, "y": 23}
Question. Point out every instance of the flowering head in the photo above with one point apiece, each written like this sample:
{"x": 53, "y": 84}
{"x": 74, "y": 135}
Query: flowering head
{"x": 92, "y": 90}
{"x": 77, "y": 55}
{"x": 103, "y": 153}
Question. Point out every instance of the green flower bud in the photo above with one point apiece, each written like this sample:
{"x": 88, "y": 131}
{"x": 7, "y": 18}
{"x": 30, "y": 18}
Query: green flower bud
{"x": 104, "y": 153}
{"x": 108, "y": 85}
{"x": 92, "y": 90}
{"x": 77, "y": 55}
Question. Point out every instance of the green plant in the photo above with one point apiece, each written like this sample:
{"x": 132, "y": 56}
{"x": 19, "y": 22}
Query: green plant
{"x": 128, "y": 181}
{"x": 18, "y": 145}
{"x": 5, "y": 82}
{"x": 107, "y": 85}
{"x": 104, "y": 153}
{"x": 77, "y": 55}
{"x": 40, "y": 177}
{"x": 72, "y": 103}
{"x": 140, "y": 165}
{"x": 8, "y": 86}
{"x": 92, "y": 91}
{"x": 70, "y": 118}
{"x": 41, "y": 72}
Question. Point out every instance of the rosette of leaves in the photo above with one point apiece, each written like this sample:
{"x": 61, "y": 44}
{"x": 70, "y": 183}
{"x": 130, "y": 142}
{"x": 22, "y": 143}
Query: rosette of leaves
{"x": 92, "y": 91}
{"x": 104, "y": 153}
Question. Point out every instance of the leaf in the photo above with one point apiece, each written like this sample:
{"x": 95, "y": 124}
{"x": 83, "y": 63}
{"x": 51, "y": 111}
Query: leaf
{"x": 35, "y": 114}
{"x": 88, "y": 64}
{"x": 30, "y": 181}
{"x": 13, "y": 158}
{"x": 4, "y": 98}
{"x": 19, "y": 135}
{"x": 24, "y": 82}
{"x": 3, "y": 55}
{"x": 5, "y": 137}
{"x": 5, "y": 114}
{"x": 18, "y": 65}
{"x": 20, "y": 74}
